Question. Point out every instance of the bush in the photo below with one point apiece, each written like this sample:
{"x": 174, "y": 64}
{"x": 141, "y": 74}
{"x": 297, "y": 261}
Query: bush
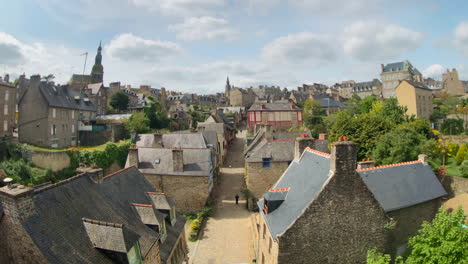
{"x": 464, "y": 169}
{"x": 461, "y": 154}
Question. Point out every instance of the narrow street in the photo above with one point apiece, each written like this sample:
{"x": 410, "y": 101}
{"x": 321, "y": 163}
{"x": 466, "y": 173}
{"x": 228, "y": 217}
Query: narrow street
{"x": 227, "y": 236}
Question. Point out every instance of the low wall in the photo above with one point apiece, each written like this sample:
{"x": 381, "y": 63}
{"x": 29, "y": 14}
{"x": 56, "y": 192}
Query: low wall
{"x": 454, "y": 185}
{"x": 43, "y": 159}
{"x": 456, "y": 139}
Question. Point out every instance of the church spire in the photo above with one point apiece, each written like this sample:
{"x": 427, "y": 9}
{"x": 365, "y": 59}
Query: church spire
{"x": 97, "y": 73}
{"x": 228, "y": 86}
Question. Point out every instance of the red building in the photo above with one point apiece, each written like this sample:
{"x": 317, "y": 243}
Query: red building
{"x": 281, "y": 114}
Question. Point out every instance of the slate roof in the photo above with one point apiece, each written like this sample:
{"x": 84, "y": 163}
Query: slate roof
{"x": 61, "y": 96}
{"x": 327, "y": 101}
{"x": 394, "y": 187}
{"x": 400, "y": 66}
{"x": 197, "y": 162}
{"x": 57, "y": 227}
{"x": 173, "y": 233}
{"x": 260, "y": 137}
{"x": 365, "y": 86}
{"x": 418, "y": 85}
{"x": 281, "y": 150}
{"x": 283, "y": 106}
{"x": 175, "y": 140}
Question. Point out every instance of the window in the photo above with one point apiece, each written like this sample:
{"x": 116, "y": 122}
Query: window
{"x": 73, "y": 128}
{"x": 5, "y": 125}
{"x": 53, "y": 130}
{"x": 5, "y": 109}
{"x": 54, "y": 112}
{"x": 269, "y": 245}
{"x": 73, "y": 114}
{"x": 266, "y": 162}
{"x": 7, "y": 93}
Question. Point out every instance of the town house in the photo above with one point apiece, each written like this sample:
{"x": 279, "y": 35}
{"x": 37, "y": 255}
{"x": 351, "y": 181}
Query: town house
{"x": 118, "y": 218}
{"x": 281, "y": 114}
{"x": 417, "y": 97}
{"x": 7, "y": 107}
{"x": 51, "y": 115}
{"x": 324, "y": 210}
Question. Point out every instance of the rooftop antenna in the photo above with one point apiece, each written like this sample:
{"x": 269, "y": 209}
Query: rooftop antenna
{"x": 8, "y": 182}
{"x": 86, "y": 57}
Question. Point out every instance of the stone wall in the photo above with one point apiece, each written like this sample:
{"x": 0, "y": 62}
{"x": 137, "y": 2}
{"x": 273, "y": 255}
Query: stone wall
{"x": 408, "y": 221}
{"x": 454, "y": 185}
{"x": 94, "y": 138}
{"x": 268, "y": 248}
{"x": 456, "y": 139}
{"x": 44, "y": 159}
{"x": 259, "y": 179}
{"x": 189, "y": 192}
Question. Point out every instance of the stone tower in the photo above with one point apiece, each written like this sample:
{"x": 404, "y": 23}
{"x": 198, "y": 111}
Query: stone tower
{"x": 97, "y": 73}
{"x": 227, "y": 89}
{"x": 451, "y": 83}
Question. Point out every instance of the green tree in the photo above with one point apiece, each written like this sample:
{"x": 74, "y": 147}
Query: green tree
{"x": 138, "y": 123}
{"x": 48, "y": 77}
{"x": 461, "y": 153}
{"x": 444, "y": 240}
{"x": 366, "y": 104}
{"x": 156, "y": 115}
{"x": 392, "y": 110}
{"x": 119, "y": 101}
{"x": 400, "y": 145}
{"x": 352, "y": 105}
{"x": 452, "y": 126}
{"x": 312, "y": 108}
{"x": 420, "y": 125}
{"x": 464, "y": 168}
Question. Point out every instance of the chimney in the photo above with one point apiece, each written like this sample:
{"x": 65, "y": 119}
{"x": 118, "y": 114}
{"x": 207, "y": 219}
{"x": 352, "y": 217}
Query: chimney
{"x": 35, "y": 80}
{"x": 268, "y": 131}
{"x": 365, "y": 164}
{"x": 292, "y": 105}
{"x": 343, "y": 156}
{"x": 133, "y": 159}
{"x": 322, "y": 136}
{"x": 17, "y": 202}
{"x": 96, "y": 174}
{"x": 7, "y": 78}
{"x": 382, "y": 67}
{"x": 262, "y": 106}
{"x": 178, "y": 160}
{"x": 422, "y": 157}
{"x": 157, "y": 140}
{"x": 301, "y": 144}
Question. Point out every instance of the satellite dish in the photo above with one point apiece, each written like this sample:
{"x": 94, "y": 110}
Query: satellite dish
{"x": 7, "y": 180}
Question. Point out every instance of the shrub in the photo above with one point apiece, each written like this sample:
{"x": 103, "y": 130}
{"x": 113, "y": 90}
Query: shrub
{"x": 464, "y": 169}
{"x": 461, "y": 154}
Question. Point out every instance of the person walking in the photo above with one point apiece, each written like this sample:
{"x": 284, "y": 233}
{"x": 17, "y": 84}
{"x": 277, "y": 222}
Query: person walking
{"x": 237, "y": 198}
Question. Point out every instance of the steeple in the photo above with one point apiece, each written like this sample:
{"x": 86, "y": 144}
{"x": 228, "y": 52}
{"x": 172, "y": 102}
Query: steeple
{"x": 228, "y": 87}
{"x": 97, "y": 73}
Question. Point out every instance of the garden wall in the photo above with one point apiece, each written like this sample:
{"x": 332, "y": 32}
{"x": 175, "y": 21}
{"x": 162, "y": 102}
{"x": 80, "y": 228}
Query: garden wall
{"x": 43, "y": 159}
{"x": 456, "y": 139}
{"x": 454, "y": 185}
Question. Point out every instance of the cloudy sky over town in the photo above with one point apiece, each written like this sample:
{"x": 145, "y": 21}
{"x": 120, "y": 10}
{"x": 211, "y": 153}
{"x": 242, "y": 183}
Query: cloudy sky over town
{"x": 192, "y": 45}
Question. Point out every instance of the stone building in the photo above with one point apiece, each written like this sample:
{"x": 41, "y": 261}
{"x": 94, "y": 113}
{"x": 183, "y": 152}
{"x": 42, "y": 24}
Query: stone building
{"x": 79, "y": 81}
{"x": 451, "y": 83}
{"x": 324, "y": 210}
{"x": 99, "y": 96}
{"x": 7, "y": 107}
{"x": 270, "y": 153}
{"x": 186, "y": 175}
{"x": 51, "y": 116}
{"x": 119, "y": 218}
{"x": 241, "y": 97}
{"x": 393, "y": 73}
{"x": 281, "y": 114}
{"x": 417, "y": 97}
{"x": 329, "y": 104}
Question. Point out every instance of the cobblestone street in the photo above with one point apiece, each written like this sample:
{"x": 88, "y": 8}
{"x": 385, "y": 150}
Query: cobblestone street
{"x": 227, "y": 236}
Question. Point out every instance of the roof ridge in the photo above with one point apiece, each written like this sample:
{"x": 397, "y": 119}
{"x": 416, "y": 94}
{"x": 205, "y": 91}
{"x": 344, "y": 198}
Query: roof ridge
{"x": 47, "y": 187}
{"x": 156, "y": 193}
{"x": 390, "y": 165}
{"x": 141, "y": 205}
{"x": 318, "y": 152}
{"x": 277, "y": 140}
{"x": 116, "y": 172}
{"x": 102, "y": 223}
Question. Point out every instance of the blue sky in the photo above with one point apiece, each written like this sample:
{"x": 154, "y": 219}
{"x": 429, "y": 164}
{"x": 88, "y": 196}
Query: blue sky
{"x": 192, "y": 45}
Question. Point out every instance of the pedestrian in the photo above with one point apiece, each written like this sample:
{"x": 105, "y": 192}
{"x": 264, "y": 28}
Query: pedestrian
{"x": 237, "y": 198}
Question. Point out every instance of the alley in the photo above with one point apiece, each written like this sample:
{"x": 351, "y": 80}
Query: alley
{"x": 227, "y": 237}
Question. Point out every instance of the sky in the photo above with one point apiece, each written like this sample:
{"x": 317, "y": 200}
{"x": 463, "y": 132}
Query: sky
{"x": 193, "y": 45}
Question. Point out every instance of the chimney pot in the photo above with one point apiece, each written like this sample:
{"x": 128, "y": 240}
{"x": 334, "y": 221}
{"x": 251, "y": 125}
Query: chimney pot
{"x": 322, "y": 136}
{"x": 422, "y": 157}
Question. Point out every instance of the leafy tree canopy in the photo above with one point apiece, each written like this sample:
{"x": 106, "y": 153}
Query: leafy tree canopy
{"x": 138, "y": 123}
{"x": 452, "y": 126}
{"x": 119, "y": 101}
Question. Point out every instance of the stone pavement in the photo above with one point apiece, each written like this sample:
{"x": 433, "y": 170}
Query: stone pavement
{"x": 227, "y": 236}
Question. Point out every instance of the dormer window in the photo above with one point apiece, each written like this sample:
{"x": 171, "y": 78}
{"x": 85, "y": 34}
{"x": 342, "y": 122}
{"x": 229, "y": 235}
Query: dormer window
{"x": 266, "y": 162}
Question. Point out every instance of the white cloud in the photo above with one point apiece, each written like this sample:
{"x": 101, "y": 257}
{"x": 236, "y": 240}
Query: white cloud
{"x": 434, "y": 71}
{"x": 11, "y": 50}
{"x": 302, "y": 48}
{"x": 204, "y": 28}
{"x": 347, "y": 7}
{"x": 379, "y": 41}
{"x": 461, "y": 38}
{"x": 128, "y": 47}
{"x": 180, "y": 7}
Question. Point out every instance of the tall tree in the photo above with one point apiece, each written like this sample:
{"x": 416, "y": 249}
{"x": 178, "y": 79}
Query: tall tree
{"x": 119, "y": 101}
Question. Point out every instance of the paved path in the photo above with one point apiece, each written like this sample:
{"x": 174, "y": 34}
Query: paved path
{"x": 227, "y": 236}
